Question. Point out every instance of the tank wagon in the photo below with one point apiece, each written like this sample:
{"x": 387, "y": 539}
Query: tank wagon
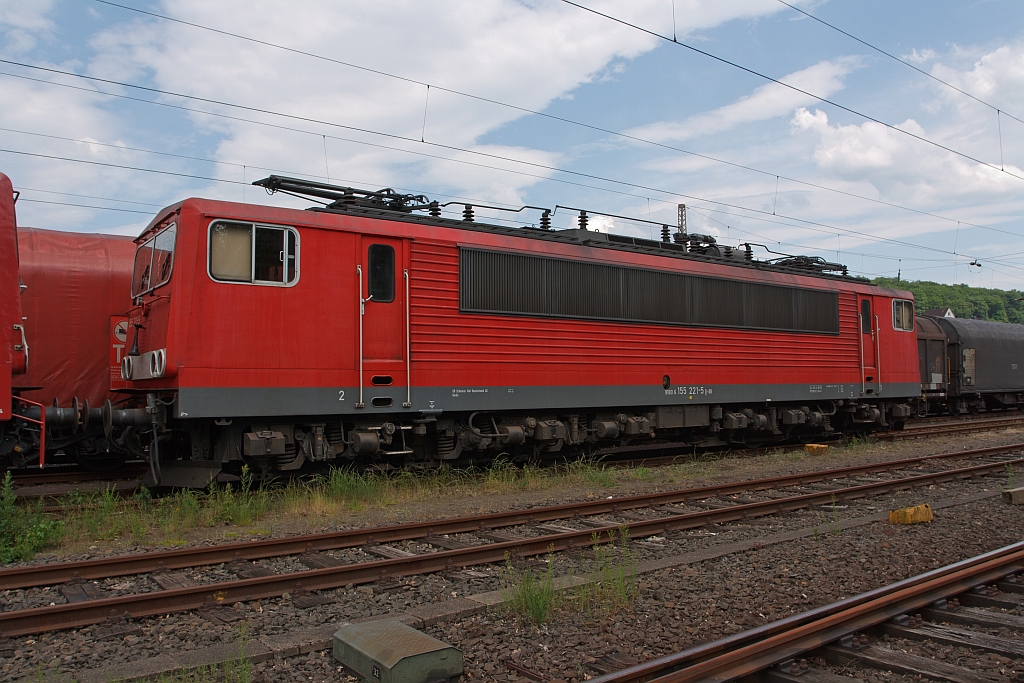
{"x": 373, "y": 329}
{"x": 59, "y": 343}
{"x": 970, "y": 365}
{"x": 75, "y": 300}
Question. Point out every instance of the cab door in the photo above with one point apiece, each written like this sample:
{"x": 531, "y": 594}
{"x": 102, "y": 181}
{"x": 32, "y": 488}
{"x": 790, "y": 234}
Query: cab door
{"x": 868, "y": 344}
{"x": 383, "y": 317}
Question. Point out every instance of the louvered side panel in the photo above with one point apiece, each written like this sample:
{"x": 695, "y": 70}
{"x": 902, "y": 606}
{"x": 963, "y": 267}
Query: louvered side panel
{"x": 443, "y": 336}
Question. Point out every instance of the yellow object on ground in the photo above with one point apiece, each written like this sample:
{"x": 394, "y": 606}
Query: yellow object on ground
{"x": 815, "y": 448}
{"x": 914, "y": 515}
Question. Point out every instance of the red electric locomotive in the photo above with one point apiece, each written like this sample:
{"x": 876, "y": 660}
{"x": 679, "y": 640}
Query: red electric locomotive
{"x": 373, "y": 328}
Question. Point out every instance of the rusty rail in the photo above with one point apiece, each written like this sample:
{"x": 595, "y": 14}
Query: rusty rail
{"x": 959, "y": 427}
{"x": 73, "y": 615}
{"x": 60, "y": 572}
{"x": 754, "y": 650}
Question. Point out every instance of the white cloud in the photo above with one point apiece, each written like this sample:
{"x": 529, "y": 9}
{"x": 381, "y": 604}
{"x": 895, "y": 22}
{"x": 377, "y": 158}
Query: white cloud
{"x": 766, "y": 102}
{"x": 903, "y": 170}
{"x": 996, "y": 77}
{"x": 21, "y": 21}
{"x": 925, "y": 55}
{"x": 529, "y": 54}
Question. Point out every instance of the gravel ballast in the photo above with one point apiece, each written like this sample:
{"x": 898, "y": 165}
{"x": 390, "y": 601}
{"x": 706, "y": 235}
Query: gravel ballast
{"x": 675, "y": 608}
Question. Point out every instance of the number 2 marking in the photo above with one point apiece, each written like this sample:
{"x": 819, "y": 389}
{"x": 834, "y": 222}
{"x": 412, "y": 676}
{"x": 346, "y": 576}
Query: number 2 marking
{"x": 341, "y": 394}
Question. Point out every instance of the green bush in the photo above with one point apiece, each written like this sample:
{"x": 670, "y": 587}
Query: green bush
{"x": 967, "y": 302}
{"x": 23, "y": 531}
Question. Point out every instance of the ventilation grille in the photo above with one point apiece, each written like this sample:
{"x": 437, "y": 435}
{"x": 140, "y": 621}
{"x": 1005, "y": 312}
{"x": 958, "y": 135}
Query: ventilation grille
{"x": 497, "y": 282}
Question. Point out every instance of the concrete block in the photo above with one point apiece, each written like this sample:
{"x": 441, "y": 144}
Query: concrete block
{"x": 1014, "y": 496}
{"x": 301, "y": 642}
{"x": 448, "y": 610}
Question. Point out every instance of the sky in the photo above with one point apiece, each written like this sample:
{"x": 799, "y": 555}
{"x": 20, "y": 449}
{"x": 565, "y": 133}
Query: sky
{"x": 113, "y": 110}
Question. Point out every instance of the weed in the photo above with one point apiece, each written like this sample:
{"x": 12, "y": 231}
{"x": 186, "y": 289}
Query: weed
{"x": 237, "y": 670}
{"x": 23, "y": 531}
{"x": 1011, "y": 477}
{"x": 837, "y": 528}
{"x": 528, "y": 595}
{"x": 613, "y": 580}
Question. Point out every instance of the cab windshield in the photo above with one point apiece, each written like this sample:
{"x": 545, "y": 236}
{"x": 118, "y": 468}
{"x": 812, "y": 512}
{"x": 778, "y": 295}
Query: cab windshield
{"x": 154, "y": 260}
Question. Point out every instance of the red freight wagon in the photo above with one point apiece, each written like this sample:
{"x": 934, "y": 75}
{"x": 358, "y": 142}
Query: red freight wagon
{"x": 275, "y": 336}
{"x": 73, "y": 301}
{"x": 74, "y": 283}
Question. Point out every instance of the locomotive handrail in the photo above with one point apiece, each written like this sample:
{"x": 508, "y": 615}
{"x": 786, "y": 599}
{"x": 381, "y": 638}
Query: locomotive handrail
{"x": 878, "y": 356}
{"x": 362, "y": 311}
{"x": 860, "y": 340}
{"x": 408, "y": 355}
{"x": 42, "y": 426}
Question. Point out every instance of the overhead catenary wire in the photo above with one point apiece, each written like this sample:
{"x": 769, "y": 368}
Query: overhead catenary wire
{"x": 794, "y": 88}
{"x": 804, "y": 222}
{"x": 500, "y": 219}
{"x": 85, "y": 206}
{"x": 824, "y": 228}
{"x": 901, "y": 61}
{"x": 526, "y": 110}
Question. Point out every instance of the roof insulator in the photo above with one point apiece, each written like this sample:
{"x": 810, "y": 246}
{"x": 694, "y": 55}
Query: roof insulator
{"x": 545, "y": 220}
{"x": 435, "y": 209}
{"x": 665, "y": 237}
{"x": 467, "y": 213}
{"x": 583, "y": 220}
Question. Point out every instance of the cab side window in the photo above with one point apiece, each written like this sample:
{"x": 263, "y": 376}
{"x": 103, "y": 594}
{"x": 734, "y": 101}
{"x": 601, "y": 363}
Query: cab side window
{"x": 903, "y": 315}
{"x": 256, "y": 254}
{"x": 381, "y": 274}
{"x": 865, "y": 316}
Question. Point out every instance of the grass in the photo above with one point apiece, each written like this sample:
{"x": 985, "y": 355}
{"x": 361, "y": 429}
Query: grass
{"x": 1011, "y": 477}
{"x": 24, "y": 531}
{"x": 529, "y": 595}
{"x": 105, "y": 517}
{"x": 237, "y": 670}
{"x": 612, "y": 584}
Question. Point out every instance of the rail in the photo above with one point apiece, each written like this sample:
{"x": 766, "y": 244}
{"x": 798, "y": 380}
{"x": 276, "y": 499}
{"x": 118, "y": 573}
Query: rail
{"x": 754, "y": 650}
{"x": 78, "y": 614}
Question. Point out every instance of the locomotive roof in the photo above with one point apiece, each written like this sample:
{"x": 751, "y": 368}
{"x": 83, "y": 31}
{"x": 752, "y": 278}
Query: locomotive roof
{"x": 388, "y": 205}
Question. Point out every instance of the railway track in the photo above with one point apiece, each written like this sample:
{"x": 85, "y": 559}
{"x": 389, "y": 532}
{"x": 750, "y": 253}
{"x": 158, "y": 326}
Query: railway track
{"x": 918, "y": 608}
{"x": 664, "y": 512}
{"x": 954, "y": 427}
